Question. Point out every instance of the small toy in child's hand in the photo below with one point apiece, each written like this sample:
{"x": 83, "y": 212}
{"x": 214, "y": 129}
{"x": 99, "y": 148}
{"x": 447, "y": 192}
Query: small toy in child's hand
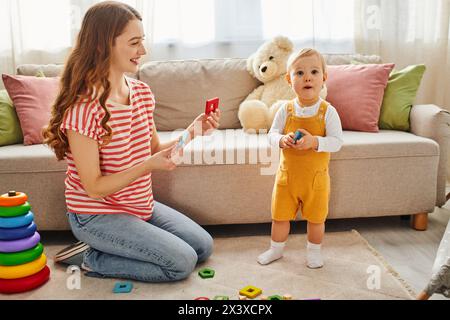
{"x": 298, "y": 136}
{"x": 183, "y": 140}
{"x": 211, "y": 105}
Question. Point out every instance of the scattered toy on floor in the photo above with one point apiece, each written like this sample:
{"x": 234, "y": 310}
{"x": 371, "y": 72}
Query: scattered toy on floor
{"x": 123, "y": 287}
{"x": 206, "y": 273}
{"x": 250, "y": 292}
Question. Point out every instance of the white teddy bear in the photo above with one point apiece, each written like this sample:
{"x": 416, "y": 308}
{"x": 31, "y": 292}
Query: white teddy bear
{"x": 268, "y": 65}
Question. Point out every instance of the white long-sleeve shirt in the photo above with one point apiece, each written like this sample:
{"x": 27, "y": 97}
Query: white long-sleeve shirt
{"x": 333, "y": 140}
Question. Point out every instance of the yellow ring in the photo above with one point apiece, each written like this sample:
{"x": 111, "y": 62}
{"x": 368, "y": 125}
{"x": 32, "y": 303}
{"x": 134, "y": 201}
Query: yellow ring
{"x": 23, "y": 270}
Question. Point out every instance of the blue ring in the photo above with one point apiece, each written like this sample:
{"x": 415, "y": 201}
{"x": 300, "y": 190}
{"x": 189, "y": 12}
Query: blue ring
{"x": 17, "y": 233}
{"x": 17, "y": 222}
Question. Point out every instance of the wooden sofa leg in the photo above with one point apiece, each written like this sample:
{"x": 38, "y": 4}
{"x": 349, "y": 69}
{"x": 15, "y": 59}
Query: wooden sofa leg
{"x": 423, "y": 296}
{"x": 419, "y": 221}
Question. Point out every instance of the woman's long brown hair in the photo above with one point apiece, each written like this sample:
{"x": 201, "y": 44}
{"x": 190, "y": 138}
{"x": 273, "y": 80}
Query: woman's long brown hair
{"x": 86, "y": 71}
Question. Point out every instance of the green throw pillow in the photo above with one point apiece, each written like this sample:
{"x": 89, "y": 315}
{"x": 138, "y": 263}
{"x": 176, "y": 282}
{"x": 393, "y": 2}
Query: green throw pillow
{"x": 399, "y": 96}
{"x": 10, "y": 131}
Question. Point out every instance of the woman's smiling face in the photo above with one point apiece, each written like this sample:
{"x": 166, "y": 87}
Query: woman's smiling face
{"x": 129, "y": 48}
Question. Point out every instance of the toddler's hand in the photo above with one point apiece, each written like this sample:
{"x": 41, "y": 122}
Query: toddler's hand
{"x": 287, "y": 141}
{"x": 308, "y": 141}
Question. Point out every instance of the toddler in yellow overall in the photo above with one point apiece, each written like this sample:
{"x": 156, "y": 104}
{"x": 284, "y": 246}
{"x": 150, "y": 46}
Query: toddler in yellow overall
{"x": 302, "y": 180}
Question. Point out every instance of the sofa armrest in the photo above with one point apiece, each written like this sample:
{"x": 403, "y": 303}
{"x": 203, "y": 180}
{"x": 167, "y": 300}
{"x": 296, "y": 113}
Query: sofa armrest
{"x": 430, "y": 121}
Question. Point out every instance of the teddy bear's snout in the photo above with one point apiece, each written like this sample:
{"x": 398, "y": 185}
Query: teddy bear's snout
{"x": 268, "y": 70}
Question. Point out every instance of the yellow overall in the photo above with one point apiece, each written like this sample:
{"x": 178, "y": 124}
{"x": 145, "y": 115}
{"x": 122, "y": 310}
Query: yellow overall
{"x": 302, "y": 179}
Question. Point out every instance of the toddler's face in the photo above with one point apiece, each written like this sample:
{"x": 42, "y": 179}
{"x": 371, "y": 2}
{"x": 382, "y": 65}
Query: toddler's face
{"x": 307, "y": 77}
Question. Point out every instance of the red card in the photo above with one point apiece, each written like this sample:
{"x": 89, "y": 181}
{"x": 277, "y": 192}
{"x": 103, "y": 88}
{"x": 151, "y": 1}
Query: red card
{"x": 211, "y": 105}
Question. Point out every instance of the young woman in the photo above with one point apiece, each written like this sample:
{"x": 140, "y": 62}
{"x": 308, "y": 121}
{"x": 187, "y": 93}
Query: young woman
{"x": 102, "y": 123}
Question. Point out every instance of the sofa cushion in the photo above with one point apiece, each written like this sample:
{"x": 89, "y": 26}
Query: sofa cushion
{"x": 238, "y": 147}
{"x": 374, "y": 174}
{"x": 369, "y": 177}
{"x": 356, "y": 91}
{"x": 212, "y": 78}
{"x": 199, "y": 80}
{"x": 385, "y": 144}
{"x": 33, "y": 98}
{"x": 399, "y": 97}
{"x": 47, "y": 70}
{"x": 36, "y": 158}
{"x": 181, "y": 89}
{"x": 234, "y": 146}
{"x": 340, "y": 59}
{"x": 10, "y": 132}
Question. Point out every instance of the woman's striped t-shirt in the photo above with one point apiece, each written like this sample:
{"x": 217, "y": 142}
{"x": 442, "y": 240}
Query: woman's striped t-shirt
{"x": 130, "y": 145}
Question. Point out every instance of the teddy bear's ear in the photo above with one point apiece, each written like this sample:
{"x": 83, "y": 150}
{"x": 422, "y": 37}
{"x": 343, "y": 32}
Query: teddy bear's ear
{"x": 250, "y": 64}
{"x": 283, "y": 43}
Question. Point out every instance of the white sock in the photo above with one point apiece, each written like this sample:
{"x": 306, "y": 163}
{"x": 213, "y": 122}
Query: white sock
{"x": 313, "y": 256}
{"x": 274, "y": 253}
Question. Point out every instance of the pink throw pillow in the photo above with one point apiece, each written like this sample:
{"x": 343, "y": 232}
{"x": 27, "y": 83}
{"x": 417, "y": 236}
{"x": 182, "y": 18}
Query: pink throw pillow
{"x": 356, "y": 91}
{"x": 33, "y": 98}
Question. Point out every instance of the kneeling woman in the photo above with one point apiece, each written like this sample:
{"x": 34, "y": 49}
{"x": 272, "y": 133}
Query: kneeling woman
{"x": 102, "y": 123}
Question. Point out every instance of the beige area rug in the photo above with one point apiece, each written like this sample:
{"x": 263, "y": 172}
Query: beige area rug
{"x": 349, "y": 263}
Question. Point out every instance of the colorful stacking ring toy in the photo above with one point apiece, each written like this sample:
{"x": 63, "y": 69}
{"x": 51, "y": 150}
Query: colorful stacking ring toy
{"x": 26, "y": 283}
{"x": 17, "y": 222}
{"x": 17, "y": 233}
{"x": 21, "y": 244}
{"x": 13, "y": 199}
{"x": 21, "y": 257}
{"x": 18, "y": 210}
{"x": 23, "y": 270}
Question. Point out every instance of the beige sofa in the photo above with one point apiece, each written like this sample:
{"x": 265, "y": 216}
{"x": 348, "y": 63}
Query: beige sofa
{"x": 228, "y": 178}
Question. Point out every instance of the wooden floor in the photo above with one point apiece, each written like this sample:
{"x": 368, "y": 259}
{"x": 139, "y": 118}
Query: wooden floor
{"x": 411, "y": 253}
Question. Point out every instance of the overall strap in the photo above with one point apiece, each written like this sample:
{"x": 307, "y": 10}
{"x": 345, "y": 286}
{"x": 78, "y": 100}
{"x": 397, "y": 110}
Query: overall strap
{"x": 323, "y": 109}
{"x": 290, "y": 107}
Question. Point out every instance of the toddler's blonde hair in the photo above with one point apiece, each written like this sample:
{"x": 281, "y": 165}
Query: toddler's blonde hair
{"x": 306, "y": 52}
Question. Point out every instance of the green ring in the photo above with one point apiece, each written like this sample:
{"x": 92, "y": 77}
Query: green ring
{"x": 15, "y": 211}
{"x": 21, "y": 257}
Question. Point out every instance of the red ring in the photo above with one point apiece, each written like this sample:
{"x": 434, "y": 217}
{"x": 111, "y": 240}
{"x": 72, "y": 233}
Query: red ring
{"x": 26, "y": 283}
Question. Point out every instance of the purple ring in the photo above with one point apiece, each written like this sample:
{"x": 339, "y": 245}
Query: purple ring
{"x": 20, "y": 245}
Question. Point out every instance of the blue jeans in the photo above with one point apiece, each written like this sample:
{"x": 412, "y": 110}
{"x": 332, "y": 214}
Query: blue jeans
{"x": 166, "y": 248}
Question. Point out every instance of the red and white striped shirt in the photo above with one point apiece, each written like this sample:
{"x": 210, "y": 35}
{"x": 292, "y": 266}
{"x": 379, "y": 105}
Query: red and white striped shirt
{"x": 130, "y": 145}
